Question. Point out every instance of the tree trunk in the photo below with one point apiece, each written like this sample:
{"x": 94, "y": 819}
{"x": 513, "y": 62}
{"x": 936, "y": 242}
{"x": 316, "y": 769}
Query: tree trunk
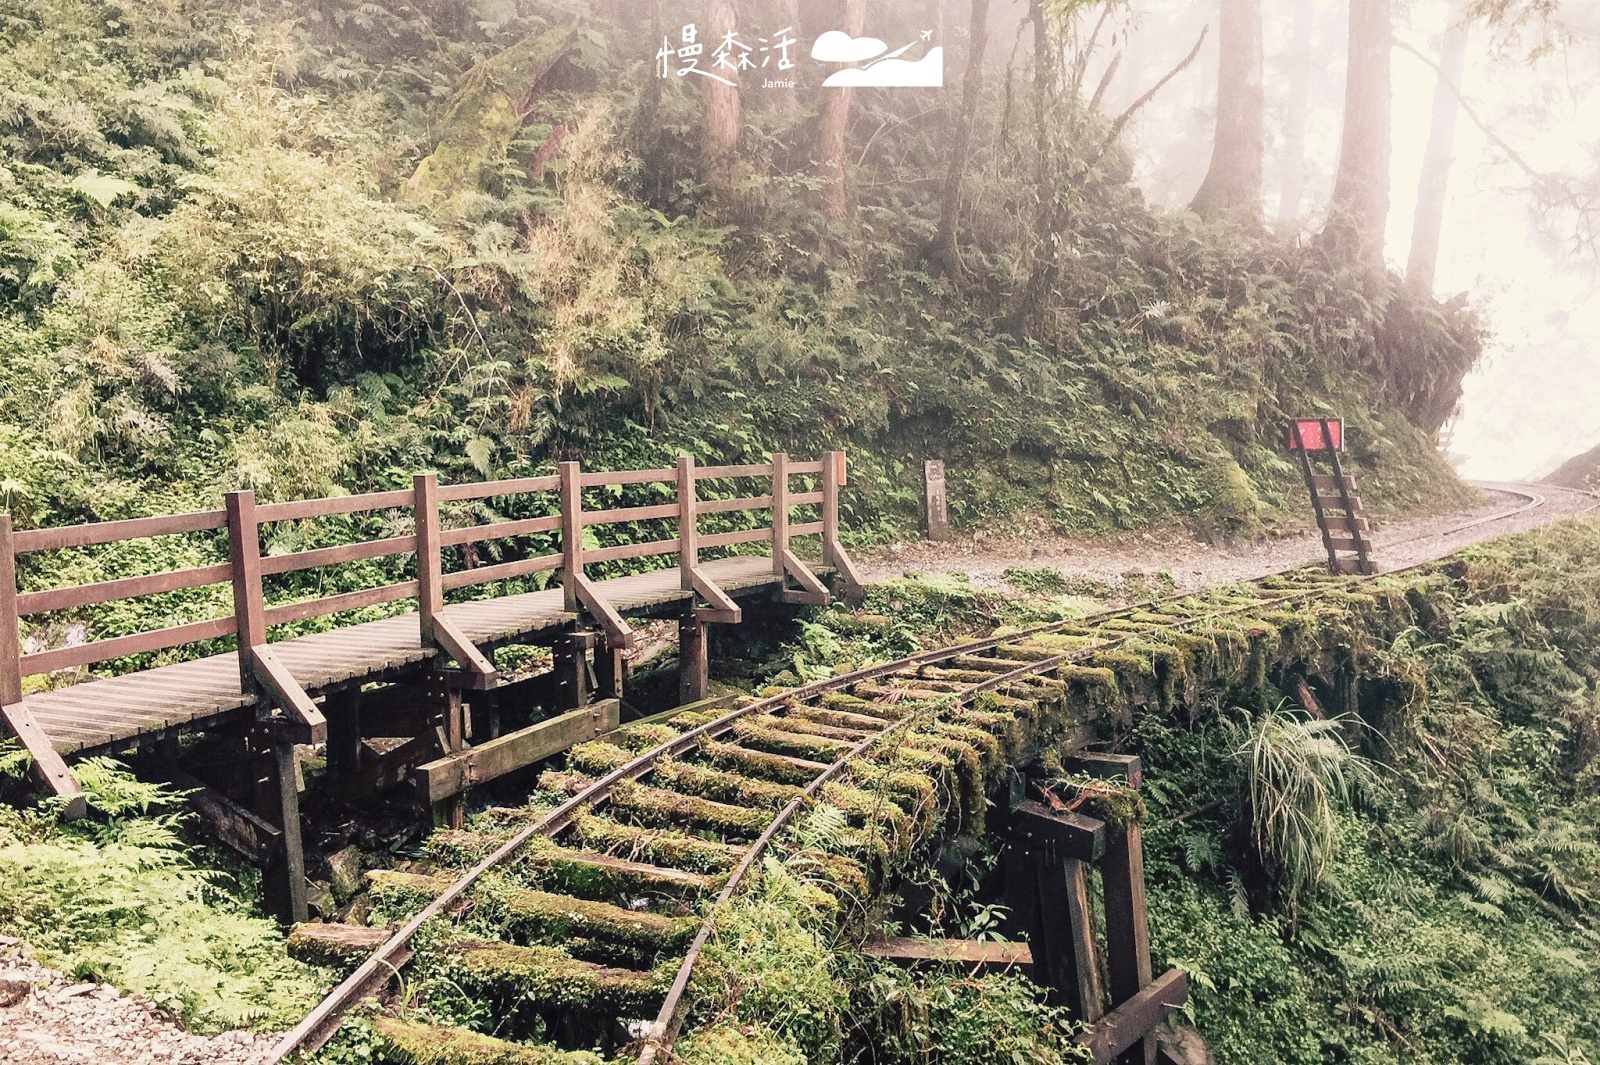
{"x": 835, "y": 124}
{"x": 720, "y": 160}
{"x": 1232, "y": 186}
{"x": 946, "y": 245}
{"x": 1294, "y": 122}
{"x": 1428, "y": 221}
{"x": 1360, "y": 204}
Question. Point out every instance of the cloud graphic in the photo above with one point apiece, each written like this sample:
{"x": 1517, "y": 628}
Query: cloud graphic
{"x": 835, "y": 46}
{"x": 927, "y": 72}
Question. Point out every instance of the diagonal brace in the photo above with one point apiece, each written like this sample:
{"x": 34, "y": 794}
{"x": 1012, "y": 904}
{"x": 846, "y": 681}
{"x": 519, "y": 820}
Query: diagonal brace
{"x": 48, "y": 767}
{"x": 305, "y": 723}
{"x": 480, "y": 672}
{"x": 812, "y": 591}
{"x": 617, "y": 632}
{"x": 723, "y": 609}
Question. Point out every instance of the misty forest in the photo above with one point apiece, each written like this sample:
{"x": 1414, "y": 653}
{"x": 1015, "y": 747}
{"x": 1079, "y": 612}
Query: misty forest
{"x": 1182, "y": 413}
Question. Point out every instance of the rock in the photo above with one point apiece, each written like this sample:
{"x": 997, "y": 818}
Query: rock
{"x": 319, "y": 898}
{"x": 13, "y": 989}
{"x": 1183, "y": 1045}
{"x": 357, "y": 910}
{"x": 344, "y": 873}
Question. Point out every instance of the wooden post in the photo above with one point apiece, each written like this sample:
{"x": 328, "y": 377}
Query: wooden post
{"x": 445, "y": 698}
{"x": 610, "y": 670}
{"x": 571, "y": 532}
{"x": 290, "y": 861}
{"x": 10, "y": 623}
{"x": 693, "y": 666}
{"x": 244, "y": 555}
{"x": 343, "y": 710}
{"x": 1127, "y": 929}
{"x": 571, "y": 670}
{"x": 49, "y": 769}
{"x": 1081, "y": 975}
{"x": 832, "y": 465}
{"x": 688, "y": 525}
{"x": 780, "y": 510}
{"x": 937, "y": 508}
{"x": 430, "y": 593}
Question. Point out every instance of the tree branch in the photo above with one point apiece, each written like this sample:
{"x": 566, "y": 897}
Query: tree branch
{"x": 1133, "y": 108}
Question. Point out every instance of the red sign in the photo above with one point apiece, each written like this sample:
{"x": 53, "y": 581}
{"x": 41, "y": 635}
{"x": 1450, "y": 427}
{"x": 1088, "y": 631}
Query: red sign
{"x": 1311, "y": 434}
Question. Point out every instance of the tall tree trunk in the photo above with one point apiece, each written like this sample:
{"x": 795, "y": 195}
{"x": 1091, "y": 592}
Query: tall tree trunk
{"x": 835, "y": 124}
{"x": 946, "y": 246}
{"x": 1360, "y": 204}
{"x": 1232, "y": 186}
{"x": 1428, "y": 222}
{"x": 1294, "y": 122}
{"x": 720, "y": 156}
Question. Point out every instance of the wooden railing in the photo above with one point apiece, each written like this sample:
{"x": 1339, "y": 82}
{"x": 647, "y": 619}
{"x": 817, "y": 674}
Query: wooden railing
{"x": 242, "y": 519}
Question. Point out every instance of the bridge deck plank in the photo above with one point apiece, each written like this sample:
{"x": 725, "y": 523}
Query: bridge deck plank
{"x": 110, "y": 711}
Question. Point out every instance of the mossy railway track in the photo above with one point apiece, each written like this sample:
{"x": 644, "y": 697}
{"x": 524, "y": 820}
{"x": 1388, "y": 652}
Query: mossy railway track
{"x": 577, "y": 924}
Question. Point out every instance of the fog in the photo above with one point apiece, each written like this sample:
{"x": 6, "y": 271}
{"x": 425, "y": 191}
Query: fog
{"x": 1535, "y": 399}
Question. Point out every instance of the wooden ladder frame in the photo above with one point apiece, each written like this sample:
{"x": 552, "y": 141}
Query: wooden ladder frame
{"x": 1353, "y": 519}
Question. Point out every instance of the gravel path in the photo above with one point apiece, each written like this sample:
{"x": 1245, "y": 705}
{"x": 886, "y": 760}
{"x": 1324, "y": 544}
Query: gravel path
{"x": 46, "y": 1018}
{"x": 985, "y": 555}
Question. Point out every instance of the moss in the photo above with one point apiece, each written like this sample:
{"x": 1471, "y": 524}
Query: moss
{"x": 675, "y": 850}
{"x": 425, "y": 1044}
{"x": 533, "y": 916}
{"x": 462, "y": 847}
{"x": 794, "y": 744}
{"x": 854, "y": 704}
{"x": 756, "y": 763}
{"x": 514, "y": 979}
{"x": 396, "y": 893}
{"x": 591, "y": 875}
{"x": 661, "y": 808}
{"x": 837, "y": 718}
{"x": 598, "y": 757}
{"x": 692, "y": 779}
{"x": 641, "y": 737}
{"x": 731, "y": 1043}
{"x": 805, "y": 726}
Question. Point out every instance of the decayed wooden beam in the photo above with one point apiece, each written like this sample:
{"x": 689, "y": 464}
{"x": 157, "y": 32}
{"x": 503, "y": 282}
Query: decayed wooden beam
{"x": 909, "y": 950}
{"x": 449, "y": 776}
{"x": 1118, "y": 1031}
{"x": 225, "y": 821}
{"x": 1069, "y": 835}
{"x": 393, "y": 767}
{"x": 1127, "y": 928}
{"x": 1124, "y": 767}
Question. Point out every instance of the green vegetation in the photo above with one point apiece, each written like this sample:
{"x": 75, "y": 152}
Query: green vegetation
{"x": 121, "y": 897}
{"x": 1450, "y": 912}
{"x": 255, "y": 246}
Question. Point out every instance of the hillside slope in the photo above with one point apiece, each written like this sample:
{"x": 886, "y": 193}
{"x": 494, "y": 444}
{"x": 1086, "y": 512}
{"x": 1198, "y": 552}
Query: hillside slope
{"x": 223, "y": 263}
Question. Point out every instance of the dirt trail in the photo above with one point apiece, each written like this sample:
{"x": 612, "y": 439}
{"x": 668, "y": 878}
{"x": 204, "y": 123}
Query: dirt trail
{"x": 985, "y": 555}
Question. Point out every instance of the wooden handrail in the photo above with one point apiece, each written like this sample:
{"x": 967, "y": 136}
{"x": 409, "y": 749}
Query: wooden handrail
{"x": 246, "y": 568}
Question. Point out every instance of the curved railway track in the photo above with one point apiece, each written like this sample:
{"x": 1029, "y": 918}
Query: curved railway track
{"x": 755, "y": 750}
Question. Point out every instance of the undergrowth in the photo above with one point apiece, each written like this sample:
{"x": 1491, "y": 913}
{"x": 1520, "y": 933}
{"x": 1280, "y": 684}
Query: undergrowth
{"x": 122, "y": 897}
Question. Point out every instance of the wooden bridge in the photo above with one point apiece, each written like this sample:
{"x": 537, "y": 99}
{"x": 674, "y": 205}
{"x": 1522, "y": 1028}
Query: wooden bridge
{"x": 308, "y": 689}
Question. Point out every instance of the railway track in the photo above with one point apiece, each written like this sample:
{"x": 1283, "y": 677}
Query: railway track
{"x": 575, "y": 921}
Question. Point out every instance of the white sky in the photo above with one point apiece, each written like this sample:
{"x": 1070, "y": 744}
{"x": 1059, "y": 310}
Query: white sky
{"x": 1536, "y": 398}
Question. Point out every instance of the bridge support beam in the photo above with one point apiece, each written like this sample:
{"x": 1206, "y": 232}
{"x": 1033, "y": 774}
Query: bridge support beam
{"x": 284, "y": 877}
{"x": 694, "y": 672}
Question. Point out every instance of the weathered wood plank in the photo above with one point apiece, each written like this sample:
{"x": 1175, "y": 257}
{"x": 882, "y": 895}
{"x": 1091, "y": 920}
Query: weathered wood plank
{"x": 907, "y": 950}
{"x": 1118, "y": 1031}
{"x": 454, "y": 773}
{"x": 1071, "y": 835}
